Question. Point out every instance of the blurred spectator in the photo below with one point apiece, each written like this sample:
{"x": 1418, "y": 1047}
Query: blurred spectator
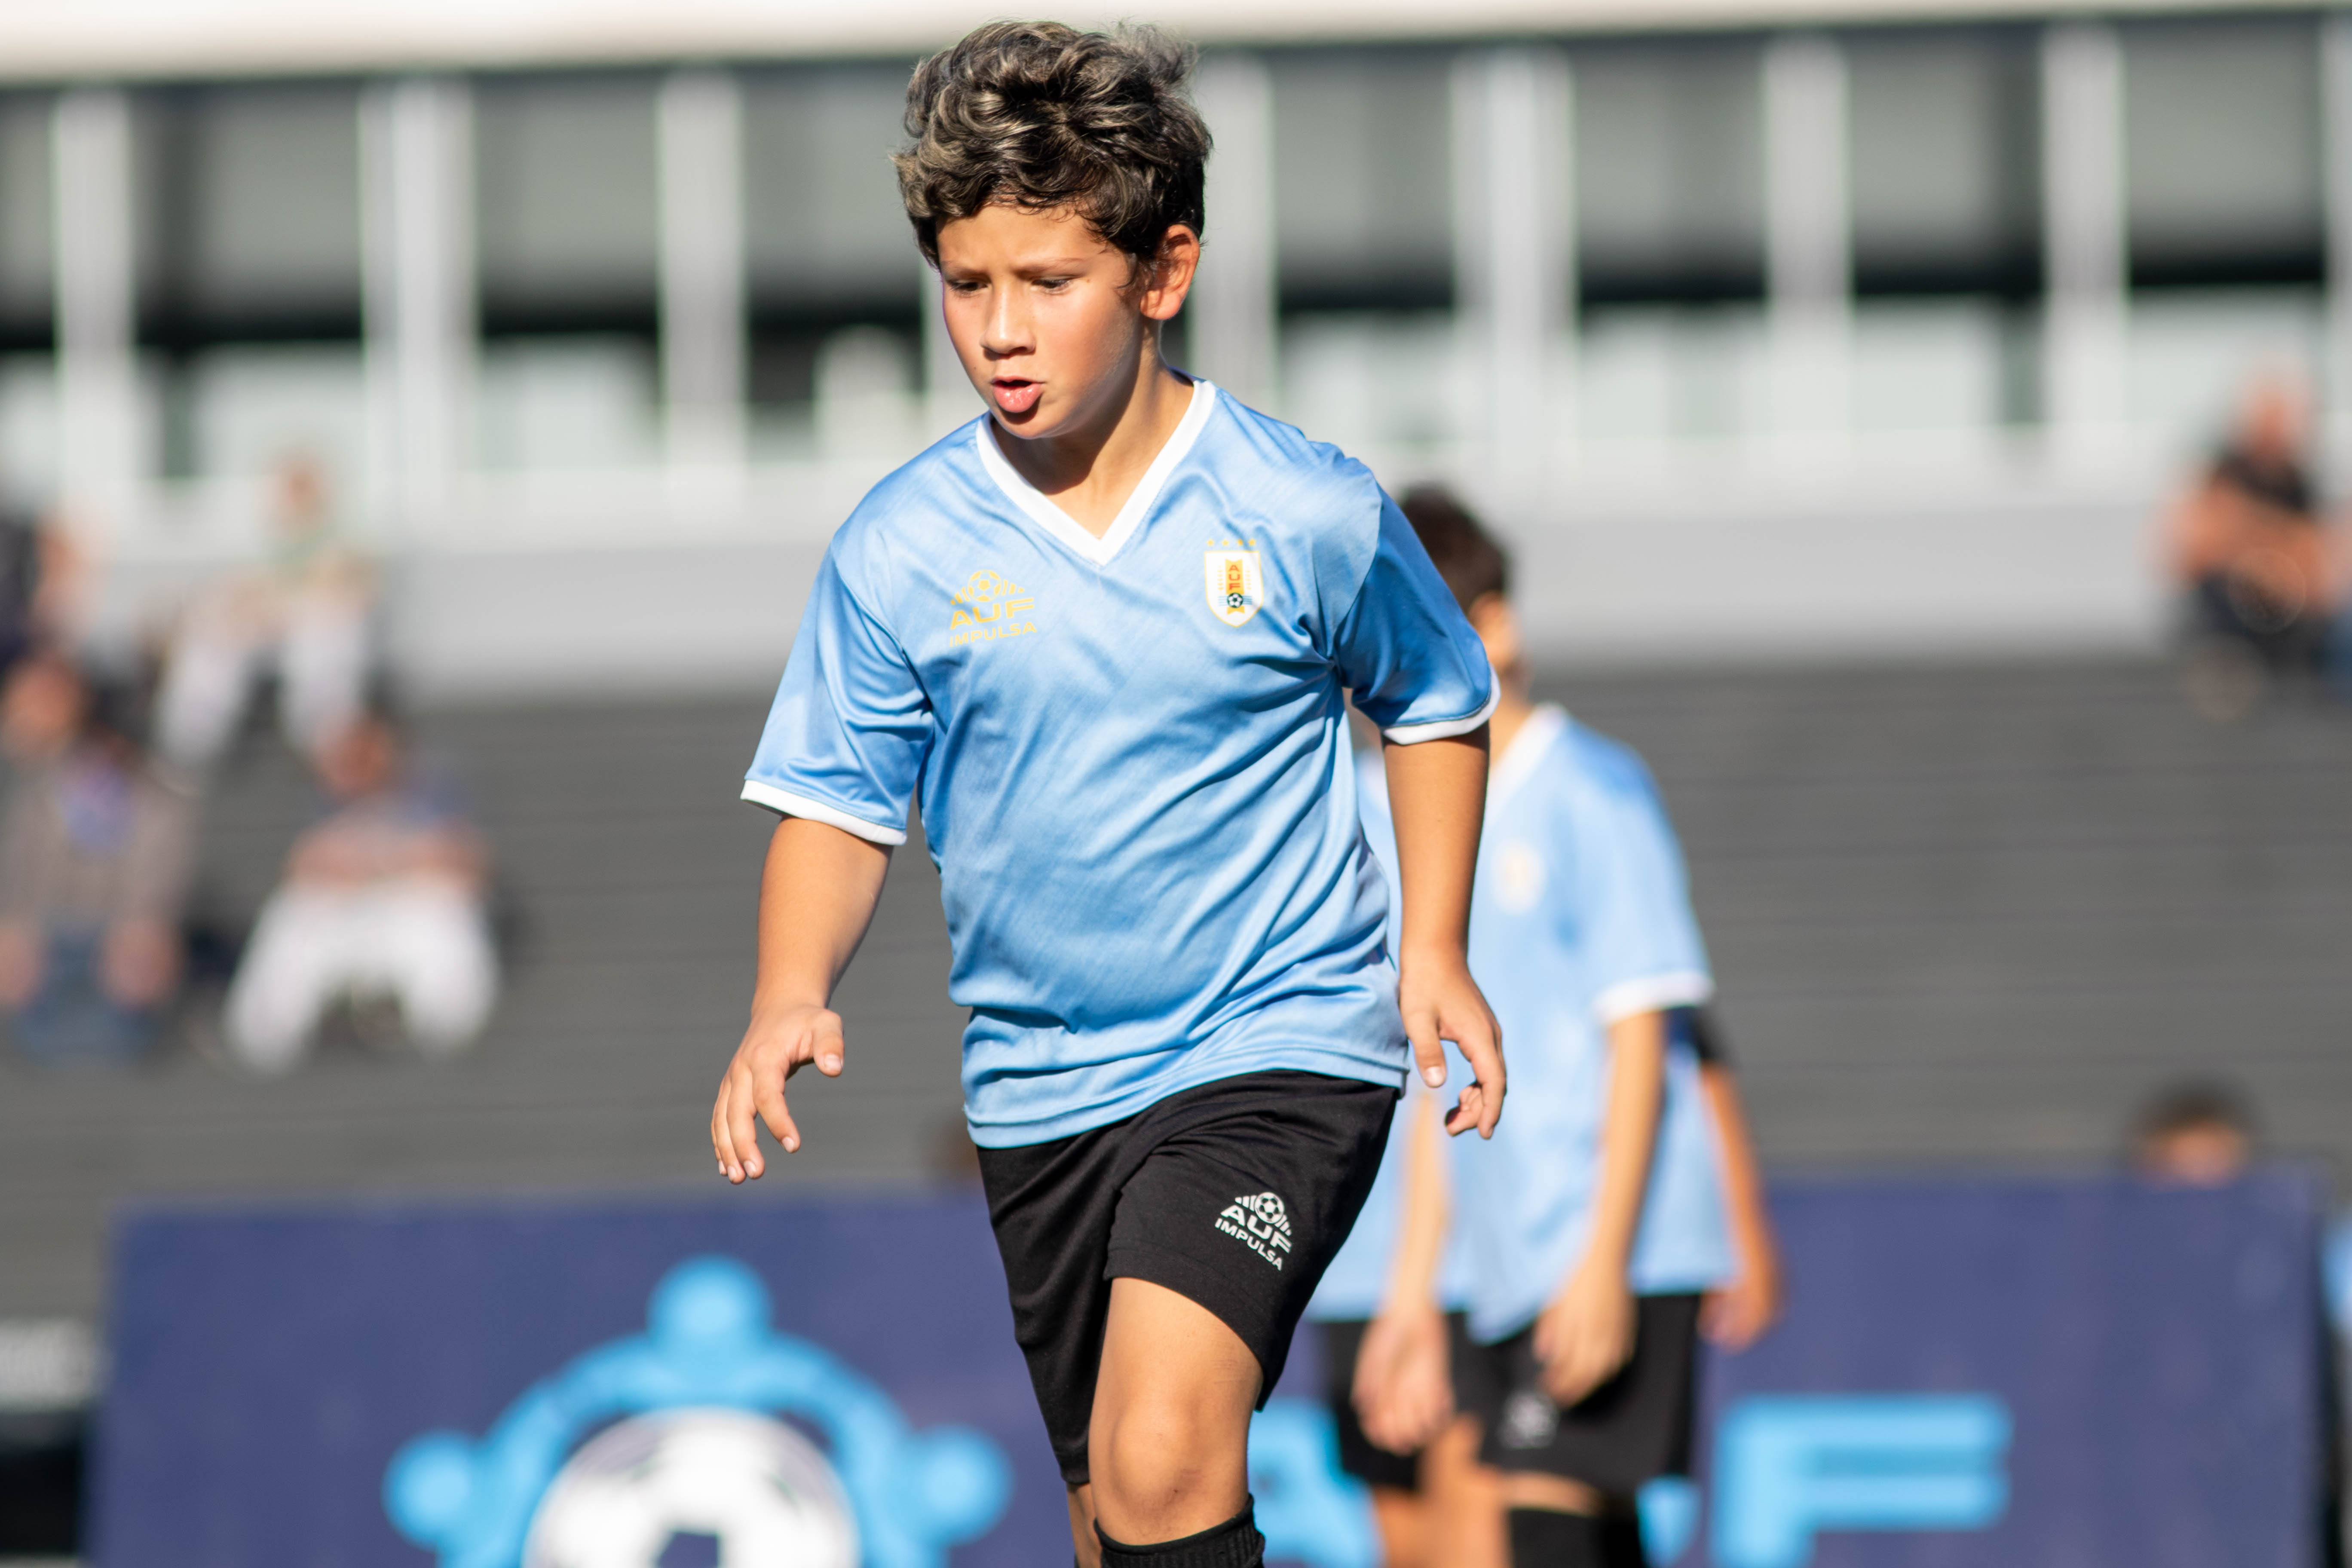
{"x": 37, "y": 573}
{"x": 2253, "y": 558}
{"x": 384, "y": 898}
{"x": 307, "y": 613}
{"x": 2194, "y": 1133}
{"x": 93, "y": 866}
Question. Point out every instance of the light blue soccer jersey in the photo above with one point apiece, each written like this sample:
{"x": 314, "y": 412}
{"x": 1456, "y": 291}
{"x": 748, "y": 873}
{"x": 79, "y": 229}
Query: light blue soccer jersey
{"x": 1130, "y": 753}
{"x": 1581, "y": 917}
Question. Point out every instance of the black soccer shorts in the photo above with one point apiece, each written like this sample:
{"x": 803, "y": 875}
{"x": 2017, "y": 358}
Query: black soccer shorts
{"x": 1628, "y": 1431}
{"x": 1234, "y": 1195}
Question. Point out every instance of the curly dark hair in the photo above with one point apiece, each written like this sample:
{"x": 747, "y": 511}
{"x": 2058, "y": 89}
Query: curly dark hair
{"x": 1043, "y": 116}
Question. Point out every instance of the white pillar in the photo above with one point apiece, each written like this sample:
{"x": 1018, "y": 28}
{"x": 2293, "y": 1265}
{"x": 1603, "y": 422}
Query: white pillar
{"x": 1514, "y": 259}
{"x": 949, "y": 399}
{"x": 2085, "y": 333}
{"x": 1234, "y": 311}
{"x": 703, "y": 322}
{"x": 100, "y": 466}
{"x": 1809, "y": 244}
{"x": 2336, "y": 156}
{"x": 416, "y": 167}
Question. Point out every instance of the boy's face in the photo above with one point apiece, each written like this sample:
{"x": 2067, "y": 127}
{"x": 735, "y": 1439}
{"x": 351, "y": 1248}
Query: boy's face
{"x": 1052, "y": 323}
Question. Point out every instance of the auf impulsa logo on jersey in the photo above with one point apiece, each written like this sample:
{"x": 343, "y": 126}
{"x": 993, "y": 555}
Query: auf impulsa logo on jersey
{"x": 1261, "y": 1224}
{"x": 990, "y": 608}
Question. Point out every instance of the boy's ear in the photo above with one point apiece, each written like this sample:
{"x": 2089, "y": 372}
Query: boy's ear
{"x": 1171, "y": 274}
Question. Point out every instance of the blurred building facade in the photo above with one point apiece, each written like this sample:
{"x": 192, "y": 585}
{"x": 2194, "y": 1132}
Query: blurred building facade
{"x": 1762, "y": 329}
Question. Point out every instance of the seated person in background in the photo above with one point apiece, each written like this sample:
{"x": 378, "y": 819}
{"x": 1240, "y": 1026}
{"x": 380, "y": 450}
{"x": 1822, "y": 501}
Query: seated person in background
{"x": 382, "y": 898}
{"x": 94, "y": 862}
{"x": 2196, "y": 1133}
{"x": 307, "y": 613}
{"x": 2248, "y": 546}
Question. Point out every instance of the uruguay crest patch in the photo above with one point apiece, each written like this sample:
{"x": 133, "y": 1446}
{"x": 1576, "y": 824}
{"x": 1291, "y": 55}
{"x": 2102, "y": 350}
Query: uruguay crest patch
{"x": 1236, "y": 587}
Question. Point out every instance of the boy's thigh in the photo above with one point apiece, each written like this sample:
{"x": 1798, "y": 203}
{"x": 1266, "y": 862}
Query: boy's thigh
{"x": 1072, "y": 1214}
{"x": 1241, "y": 1206}
{"x": 1631, "y": 1430}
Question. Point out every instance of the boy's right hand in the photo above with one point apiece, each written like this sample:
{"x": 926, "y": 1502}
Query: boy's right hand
{"x": 1404, "y": 1388}
{"x": 774, "y": 1048}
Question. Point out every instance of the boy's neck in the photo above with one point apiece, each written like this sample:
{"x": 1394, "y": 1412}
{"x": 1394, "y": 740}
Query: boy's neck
{"x": 1091, "y": 471}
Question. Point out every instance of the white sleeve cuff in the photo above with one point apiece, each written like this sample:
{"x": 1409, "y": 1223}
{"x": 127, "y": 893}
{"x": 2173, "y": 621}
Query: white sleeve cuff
{"x": 1446, "y": 729}
{"x": 791, "y": 805}
{"x": 1653, "y": 993}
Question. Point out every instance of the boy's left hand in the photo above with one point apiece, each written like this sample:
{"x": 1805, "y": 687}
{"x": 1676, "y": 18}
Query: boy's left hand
{"x": 1441, "y": 1002}
{"x": 1586, "y": 1335}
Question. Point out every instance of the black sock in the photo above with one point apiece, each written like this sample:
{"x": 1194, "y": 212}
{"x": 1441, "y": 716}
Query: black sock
{"x": 1233, "y": 1544}
{"x": 1621, "y": 1540}
{"x": 1546, "y": 1537}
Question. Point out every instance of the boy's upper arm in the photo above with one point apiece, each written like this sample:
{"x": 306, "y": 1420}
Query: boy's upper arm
{"x": 1403, "y": 646}
{"x": 1633, "y": 904}
{"x": 847, "y": 734}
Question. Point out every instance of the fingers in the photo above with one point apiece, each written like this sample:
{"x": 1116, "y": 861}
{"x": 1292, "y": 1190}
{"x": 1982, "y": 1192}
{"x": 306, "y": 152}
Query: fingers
{"x": 722, "y": 1132}
{"x": 1481, "y": 1040}
{"x": 767, "y": 1096}
{"x": 1428, "y": 1049}
{"x": 827, "y": 1044}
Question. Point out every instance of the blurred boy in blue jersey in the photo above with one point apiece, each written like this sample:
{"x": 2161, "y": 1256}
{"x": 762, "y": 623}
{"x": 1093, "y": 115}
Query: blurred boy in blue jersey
{"x": 1593, "y": 1224}
{"x": 1106, "y": 636}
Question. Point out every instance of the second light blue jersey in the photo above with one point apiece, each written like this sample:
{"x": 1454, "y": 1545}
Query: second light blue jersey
{"x": 1131, "y": 756}
{"x": 1355, "y": 1283}
{"x": 1581, "y": 917}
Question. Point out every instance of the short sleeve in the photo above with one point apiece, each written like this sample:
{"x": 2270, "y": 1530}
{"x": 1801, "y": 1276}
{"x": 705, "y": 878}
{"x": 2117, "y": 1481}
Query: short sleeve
{"x": 1633, "y": 902}
{"x": 1403, "y": 649}
{"x": 846, "y": 740}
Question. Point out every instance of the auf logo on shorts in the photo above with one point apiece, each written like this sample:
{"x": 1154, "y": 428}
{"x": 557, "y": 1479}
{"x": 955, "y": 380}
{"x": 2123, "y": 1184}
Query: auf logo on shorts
{"x": 990, "y": 608}
{"x": 1261, "y": 1224}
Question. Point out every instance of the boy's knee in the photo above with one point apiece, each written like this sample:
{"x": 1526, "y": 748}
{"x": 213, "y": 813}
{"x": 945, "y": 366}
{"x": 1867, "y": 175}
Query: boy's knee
{"x": 1151, "y": 1451}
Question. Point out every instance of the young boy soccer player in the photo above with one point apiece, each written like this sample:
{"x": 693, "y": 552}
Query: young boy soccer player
{"x": 1594, "y": 1220}
{"x": 1103, "y": 635}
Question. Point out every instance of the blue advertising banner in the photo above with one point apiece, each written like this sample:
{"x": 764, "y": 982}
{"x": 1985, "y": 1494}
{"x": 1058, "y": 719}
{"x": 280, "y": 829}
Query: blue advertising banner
{"x": 2029, "y": 1374}
{"x": 820, "y": 1385}
{"x": 2019, "y": 1374}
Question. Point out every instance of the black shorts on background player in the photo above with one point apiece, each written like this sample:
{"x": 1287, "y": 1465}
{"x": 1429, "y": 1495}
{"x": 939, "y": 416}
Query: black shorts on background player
{"x": 1343, "y": 1341}
{"x": 1628, "y": 1432}
{"x": 1235, "y": 1196}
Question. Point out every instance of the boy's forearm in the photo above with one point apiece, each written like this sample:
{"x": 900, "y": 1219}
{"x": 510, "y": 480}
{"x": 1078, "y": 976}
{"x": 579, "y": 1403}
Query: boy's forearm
{"x": 817, "y": 894}
{"x": 1743, "y": 1179}
{"x": 1629, "y": 1136}
{"x": 1437, "y": 799}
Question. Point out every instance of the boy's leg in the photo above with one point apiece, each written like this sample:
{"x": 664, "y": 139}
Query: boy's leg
{"x": 1571, "y": 1475}
{"x": 297, "y": 958}
{"x": 1169, "y": 1447}
{"x": 1229, "y": 1199}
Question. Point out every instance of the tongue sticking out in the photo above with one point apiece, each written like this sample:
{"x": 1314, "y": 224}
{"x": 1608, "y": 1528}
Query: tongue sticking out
{"x": 1017, "y": 396}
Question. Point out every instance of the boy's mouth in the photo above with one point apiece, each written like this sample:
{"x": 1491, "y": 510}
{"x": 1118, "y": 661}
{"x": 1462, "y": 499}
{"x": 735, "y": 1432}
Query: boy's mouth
{"x": 1016, "y": 395}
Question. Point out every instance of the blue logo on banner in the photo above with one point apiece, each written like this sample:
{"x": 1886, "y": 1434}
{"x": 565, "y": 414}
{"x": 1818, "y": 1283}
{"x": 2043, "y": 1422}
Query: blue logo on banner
{"x": 1309, "y": 1509}
{"x": 664, "y": 1448}
{"x": 1788, "y": 1466}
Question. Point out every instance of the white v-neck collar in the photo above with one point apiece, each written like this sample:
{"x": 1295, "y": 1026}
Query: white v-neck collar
{"x": 1518, "y": 763}
{"x": 1060, "y": 524}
